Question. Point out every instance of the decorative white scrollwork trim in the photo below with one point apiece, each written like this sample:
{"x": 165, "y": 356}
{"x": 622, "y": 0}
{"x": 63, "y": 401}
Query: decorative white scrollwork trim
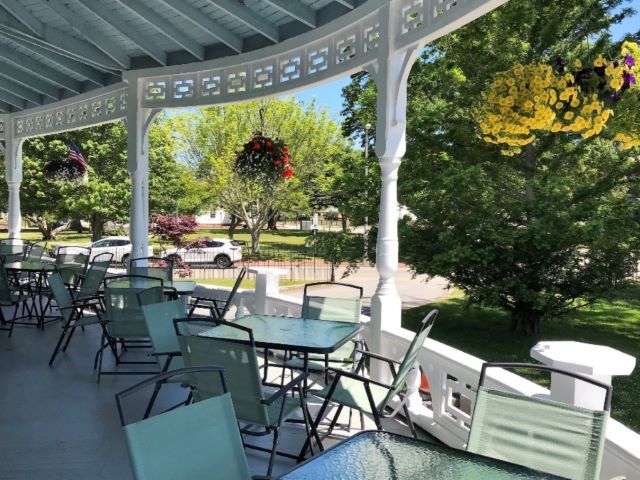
{"x": 95, "y": 107}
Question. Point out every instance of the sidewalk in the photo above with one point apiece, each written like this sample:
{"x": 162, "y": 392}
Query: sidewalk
{"x": 414, "y": 292}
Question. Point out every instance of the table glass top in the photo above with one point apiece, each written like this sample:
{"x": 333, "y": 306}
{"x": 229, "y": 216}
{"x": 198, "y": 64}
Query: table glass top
{"x": 385, "y": 456}
{"x": 315, "y": 336}
{"x": 181, "y": 286}
{"x": 30, "y": 266}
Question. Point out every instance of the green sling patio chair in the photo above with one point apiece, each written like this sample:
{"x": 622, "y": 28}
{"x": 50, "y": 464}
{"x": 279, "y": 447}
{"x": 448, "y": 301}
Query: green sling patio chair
{"x": 8, "y": 298}
{"x": 125, "y": 324}
{"x": 217, "y": 308}
{"x": 199, "y": 441}
{"x": 156, "y": 267}
{"x": 542, "y": 434}
{"x": 72, "y": 262}
{"x": 35, "y": 252}
{"x": 159, "y": 319}
{"x": 253, "y": 405}
{"x": 72, "y": 313}
{"x": 349, "y": 389}
{"x": 13, "y": 250}
{"x": 336, "y": 309}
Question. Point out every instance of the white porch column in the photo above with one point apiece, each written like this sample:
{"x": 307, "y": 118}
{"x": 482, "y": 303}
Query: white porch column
{"x": 13, "y": 176}
{"x": 138, "y": 122}
{"x": 390, "y": 73}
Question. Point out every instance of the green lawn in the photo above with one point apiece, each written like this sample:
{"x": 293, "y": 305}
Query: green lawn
{"x": 483, "y": 332}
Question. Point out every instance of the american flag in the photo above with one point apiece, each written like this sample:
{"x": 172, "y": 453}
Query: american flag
{"x": 75, "y": 155}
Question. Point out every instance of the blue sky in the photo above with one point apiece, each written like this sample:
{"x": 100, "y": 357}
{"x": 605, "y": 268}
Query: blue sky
{"x": 329, "y": 94}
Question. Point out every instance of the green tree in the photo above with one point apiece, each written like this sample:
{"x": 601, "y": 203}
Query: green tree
{"x": 337, "y": 248}
{"x": 537, "y": 234}
{"x": 212, "y": 137}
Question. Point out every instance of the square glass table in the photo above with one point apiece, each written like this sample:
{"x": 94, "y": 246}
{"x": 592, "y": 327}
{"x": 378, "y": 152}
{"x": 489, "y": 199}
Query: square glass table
{"x": 376, "y": 455}
{"x": 290, "y": 333}
{"x": 182, "y": 287}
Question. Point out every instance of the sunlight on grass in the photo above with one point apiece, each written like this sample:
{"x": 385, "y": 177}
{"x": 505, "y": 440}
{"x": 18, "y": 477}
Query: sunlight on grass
{"x": 248, "y": 283}
{"x": 484, "y": 332}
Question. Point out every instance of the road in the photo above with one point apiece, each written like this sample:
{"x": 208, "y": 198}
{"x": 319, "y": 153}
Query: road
{"x": 414, "y": 292}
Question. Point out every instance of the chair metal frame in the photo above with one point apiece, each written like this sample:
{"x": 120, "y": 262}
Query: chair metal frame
{"x": 8, "y": 301}
{"x": 399, "y": 377}
{"x": 111, "y": 341}
{"x": 216, "y": 310}
{"x": 295, "y": 385}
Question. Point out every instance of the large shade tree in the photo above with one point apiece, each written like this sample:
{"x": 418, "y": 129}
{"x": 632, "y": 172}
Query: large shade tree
{"x": 539, "y": 233}
{"x": 213, "y": 137}
{"x": 106, "y": 192}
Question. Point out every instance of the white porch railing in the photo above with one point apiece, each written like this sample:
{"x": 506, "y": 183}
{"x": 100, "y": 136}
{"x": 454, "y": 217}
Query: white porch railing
{"x": 453, "y": 376}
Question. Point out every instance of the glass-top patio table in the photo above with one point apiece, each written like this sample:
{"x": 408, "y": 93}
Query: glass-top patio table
{"x": 182, "y": 287}
{"x": 376, "y": 455}
{"x": 290, "y": 333}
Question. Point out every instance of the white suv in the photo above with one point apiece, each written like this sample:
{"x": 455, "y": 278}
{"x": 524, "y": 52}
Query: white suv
{"x": 221, "y": 252}
{"x": 119, "y": 246}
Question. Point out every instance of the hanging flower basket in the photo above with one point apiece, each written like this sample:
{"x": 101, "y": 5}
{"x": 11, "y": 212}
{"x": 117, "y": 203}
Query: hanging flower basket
{"x": 264, "y": 158}
{"x": 65, "y": 170}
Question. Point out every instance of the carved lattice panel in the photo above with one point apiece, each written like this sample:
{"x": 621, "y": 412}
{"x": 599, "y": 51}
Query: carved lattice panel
{"x": 83, "y": 111}
{"x": 183, "y": 88}
{"x": 443, "y": 7}
{"x": 317, "y": 60}
{"x": 96, "y": 109}
{"x": 412, "y": 16}
{"x": 346, "y": 48}
{"x": 155, "y": 90}
{"x": 291, "y": 68}
{"x": 460, "y": 399}
{"x": 263, "y": 76}
{"x": 210, "y": 84}
{"x": 237, "y": 81}
{"x": 2, "y": 129}
{"x": 371, "y": 39}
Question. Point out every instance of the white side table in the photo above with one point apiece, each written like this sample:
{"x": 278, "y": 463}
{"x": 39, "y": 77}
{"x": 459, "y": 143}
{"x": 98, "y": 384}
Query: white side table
{"x": 267, "y": 283}
{"x": 594, "y": 361}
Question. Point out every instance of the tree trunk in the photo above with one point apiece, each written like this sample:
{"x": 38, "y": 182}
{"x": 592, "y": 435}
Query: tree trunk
{"x": 97, "y": 227}
{"x": 273, "y": 215}
{"x": 525, "y": 319}
{"x": 235, "y": 221}
{"x": 345, "y": 222}
{"x": 76, "y": 225}
{"x": 255, "y": 240}
{"x": 333, "y": 272}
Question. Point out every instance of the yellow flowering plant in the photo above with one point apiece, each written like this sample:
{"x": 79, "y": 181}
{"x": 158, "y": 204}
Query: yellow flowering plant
{"x": 529, "y": 99}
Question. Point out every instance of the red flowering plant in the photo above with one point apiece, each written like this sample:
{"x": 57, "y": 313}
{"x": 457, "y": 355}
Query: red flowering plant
{"x": 263, "y": 158}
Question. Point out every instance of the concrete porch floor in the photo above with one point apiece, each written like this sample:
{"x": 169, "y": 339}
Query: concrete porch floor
{"x": 56, "y": 423}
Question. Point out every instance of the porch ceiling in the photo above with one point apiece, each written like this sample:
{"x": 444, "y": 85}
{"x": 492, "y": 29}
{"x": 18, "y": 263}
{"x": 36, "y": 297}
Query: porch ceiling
{"x": 53, "y": 50}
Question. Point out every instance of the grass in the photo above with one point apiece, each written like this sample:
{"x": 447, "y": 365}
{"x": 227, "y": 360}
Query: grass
{"x": 483, "y": 332}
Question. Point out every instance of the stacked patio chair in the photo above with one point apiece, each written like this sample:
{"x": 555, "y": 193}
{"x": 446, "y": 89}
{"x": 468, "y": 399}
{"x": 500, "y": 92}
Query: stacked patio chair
{"x": 545, "y": 435}
{"x": 124, "y": 320}
{"x": 8, "y": 298}
{"x": 200, "y": 441}
{"x": 263, "y": 413}
{"x": 156, "y": 267}
{"x": 72, "y": 312}
{"x": 217, "y": 308}
{"x": 350, "y": 389}
{"x": 72, "y": 262}
{"x": 13, "y": 250}
{"x": 88, "y": 289}
{"x": 330, "y": 308}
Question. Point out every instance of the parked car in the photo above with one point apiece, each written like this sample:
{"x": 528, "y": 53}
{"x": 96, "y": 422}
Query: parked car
{"x": 119, "y": 246}
{"x": 221, "y": 252}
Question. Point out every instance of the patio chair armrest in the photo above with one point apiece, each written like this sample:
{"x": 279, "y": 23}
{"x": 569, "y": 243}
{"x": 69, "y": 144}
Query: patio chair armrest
{"x": 260, "y": 477}
{"x": 377, "y": 356}
{"x": 355, "y": 376}
{"x": 285, "y": 389}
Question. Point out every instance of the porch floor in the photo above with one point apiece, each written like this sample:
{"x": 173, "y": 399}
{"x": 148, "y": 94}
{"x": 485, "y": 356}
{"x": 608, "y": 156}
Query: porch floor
{"x": 56, "y": 423}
